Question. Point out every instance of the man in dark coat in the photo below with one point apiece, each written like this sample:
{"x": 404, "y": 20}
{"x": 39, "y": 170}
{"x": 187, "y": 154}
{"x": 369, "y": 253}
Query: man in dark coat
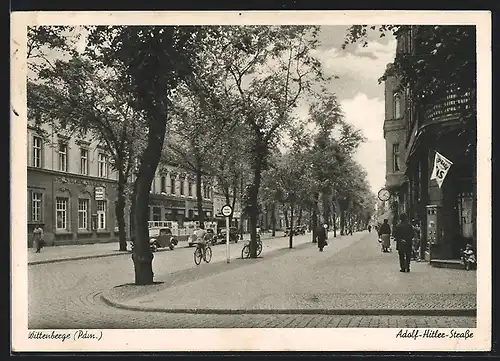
{"x": 403, "y": 234}
{"x": 322, "y": 234}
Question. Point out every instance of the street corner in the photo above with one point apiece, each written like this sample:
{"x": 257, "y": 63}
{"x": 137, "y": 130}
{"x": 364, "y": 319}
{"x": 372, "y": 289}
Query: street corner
{"x": 122, "y": 296}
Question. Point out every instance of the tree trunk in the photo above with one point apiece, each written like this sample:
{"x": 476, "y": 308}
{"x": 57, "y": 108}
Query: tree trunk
{"x": 120, "y": 211}
{"x": 326, "y": 209}
{"x": 342, "y": 221}
{"x": 290, "y": 240}
{"x": 299, "y": 219}
{"x": 285, "y": 213}
{"x": 334, "y": 224}
{"x": 142, "y": 255}
{"x": 199, "y": 199}
{"x": 241, "y": 207}
{"x": 254, "y": 210}
{"x": 273, "y": 218}
{"x": 315, "y": 218}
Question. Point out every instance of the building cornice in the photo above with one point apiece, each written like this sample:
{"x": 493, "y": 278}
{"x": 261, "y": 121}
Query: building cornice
{"x": 72, "y": 175}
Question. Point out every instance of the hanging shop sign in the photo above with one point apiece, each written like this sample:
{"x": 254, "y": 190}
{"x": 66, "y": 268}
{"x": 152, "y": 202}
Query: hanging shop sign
{"x": 441, "y": 167}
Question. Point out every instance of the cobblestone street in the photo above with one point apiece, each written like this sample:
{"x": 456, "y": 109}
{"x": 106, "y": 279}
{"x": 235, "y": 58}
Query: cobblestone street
{"x": 69, "y": 294}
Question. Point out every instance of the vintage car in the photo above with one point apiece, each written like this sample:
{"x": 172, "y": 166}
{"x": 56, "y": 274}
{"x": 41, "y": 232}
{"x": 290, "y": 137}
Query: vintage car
{"x": 163, "y": 239}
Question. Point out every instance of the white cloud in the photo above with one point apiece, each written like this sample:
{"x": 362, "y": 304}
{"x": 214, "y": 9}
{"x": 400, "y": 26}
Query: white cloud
{"x": 367, "y": 114}
{"x": 367, "y": 62}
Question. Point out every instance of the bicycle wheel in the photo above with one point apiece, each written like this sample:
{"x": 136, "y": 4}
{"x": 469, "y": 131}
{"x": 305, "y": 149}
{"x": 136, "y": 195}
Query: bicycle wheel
{"x": 197, "y": 256}
{"x": 259, "y": 249}
{"x": 208, "y": 254}
{"x": 245, "y": 252}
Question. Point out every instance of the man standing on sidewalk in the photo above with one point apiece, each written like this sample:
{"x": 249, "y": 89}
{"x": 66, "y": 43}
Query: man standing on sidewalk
{"x": 322, "y": 236}
{"x": 404, "y": 236}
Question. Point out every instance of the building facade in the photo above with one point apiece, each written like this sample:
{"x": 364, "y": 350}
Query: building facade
{"x": 173, "y": 197}
{"x": 394, "y": 135}
{"x": 441, "y": 122}
{"x": 71, "y": 188}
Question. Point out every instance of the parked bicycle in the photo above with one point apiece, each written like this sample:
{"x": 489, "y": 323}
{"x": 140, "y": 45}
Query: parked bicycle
{"x": 202, "y": 251}
{"x": 245, "y": 252}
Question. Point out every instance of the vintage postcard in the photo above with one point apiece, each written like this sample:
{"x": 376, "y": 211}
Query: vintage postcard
{"x": 251, "y": 181}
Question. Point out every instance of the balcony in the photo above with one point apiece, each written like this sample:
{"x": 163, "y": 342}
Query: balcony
{"x": 451, "y": 104}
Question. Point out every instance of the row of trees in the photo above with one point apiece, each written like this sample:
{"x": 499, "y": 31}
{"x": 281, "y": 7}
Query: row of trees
{"x": 213, "y": 100}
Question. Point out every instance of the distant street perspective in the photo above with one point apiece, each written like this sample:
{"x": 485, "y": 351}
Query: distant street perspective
{"x": 251, "y": 177}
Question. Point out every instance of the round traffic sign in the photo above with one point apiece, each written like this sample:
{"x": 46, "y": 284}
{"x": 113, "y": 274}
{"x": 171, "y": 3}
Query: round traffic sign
{"x": 384, "y": 194}
{"x": 226, "y": 210}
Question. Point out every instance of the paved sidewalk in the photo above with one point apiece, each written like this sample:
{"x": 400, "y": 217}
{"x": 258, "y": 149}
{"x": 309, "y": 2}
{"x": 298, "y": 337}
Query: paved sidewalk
{"x": 85, "y": 251}
{"x": 351, "y": 276}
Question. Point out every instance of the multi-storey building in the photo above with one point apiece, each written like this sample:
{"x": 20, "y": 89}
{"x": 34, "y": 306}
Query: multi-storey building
{"x": 71, "y": 188}
{"x": 394, "y": 135}
{"x": 443, "y": 121}
{"x": 173, "y": 196}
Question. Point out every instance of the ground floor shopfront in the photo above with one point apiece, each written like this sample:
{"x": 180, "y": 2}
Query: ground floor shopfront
{"x": 71, "y": 209}
{"x": 446, "y": 214}
{"x": 181, "y": 210}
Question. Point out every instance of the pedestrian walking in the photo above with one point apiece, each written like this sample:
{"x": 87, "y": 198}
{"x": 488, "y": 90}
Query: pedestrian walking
{"x": 322, "y": 237}
{"x": 369, "y": 228}
{"x": 385, "y": 235}
{"x": 38, "y": 238}
{"x": 404, "y": 234}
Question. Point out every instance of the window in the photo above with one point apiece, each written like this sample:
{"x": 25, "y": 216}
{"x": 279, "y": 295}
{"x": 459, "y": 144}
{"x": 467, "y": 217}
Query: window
{"x": 395, "y": 157}
{"x": 102, "y": 160}
{"x": 61, "y": 213}
{"x": 172, "y": 185}
{"x": 83, "y": 212}
{"x": 397, "y": 106}
{"x": 63, "y": 157}
{"x": 156, "y": 213}
{"x": 36, "y": 206}
{"x": 164, "y": 184}
{"x": 84, "y": 161}
{"x": 190, "y": 189}
{"x": 206, "y": 192}
{"x": 37, "y": 152}
{"x": 182, "y": 186}
{"x": 101, "y": 214}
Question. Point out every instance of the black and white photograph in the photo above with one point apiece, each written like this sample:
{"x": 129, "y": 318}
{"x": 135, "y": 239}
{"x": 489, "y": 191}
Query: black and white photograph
{"x": 267, "y": 181}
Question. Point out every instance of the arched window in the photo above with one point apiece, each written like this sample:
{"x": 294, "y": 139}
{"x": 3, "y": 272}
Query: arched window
{"x": 397, "y": 105}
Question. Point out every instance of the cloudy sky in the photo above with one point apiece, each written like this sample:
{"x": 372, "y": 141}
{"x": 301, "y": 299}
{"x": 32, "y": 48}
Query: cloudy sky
{"x": 358, "y": 91}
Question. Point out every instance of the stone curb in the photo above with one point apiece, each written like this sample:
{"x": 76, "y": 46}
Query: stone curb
{"x": 118, "y": 253}
{"x": 464, "y": 312}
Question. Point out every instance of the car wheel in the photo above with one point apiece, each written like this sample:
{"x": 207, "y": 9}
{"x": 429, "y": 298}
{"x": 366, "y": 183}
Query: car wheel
{"x": 171, "y": 247}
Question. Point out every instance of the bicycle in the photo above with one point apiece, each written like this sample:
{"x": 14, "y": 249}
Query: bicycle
{"x": 202, "y": 251}
{"x": 245, "y": 252}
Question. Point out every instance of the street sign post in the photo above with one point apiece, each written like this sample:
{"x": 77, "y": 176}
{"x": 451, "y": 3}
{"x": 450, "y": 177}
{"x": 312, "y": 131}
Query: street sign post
{"x": 226, "y": 212}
